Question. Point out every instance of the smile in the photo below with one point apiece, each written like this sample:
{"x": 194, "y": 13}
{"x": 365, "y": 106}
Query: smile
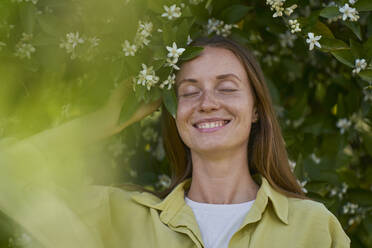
{"x": 211, "y": 126}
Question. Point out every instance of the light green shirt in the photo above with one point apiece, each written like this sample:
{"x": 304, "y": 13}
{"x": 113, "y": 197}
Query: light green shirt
{"x": 103, "y": 216}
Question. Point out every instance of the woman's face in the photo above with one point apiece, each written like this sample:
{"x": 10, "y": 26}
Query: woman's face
{"x": 215, "y": 102}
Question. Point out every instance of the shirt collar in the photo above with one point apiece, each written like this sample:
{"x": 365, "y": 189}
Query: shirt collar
{"x": 174, "y": 202}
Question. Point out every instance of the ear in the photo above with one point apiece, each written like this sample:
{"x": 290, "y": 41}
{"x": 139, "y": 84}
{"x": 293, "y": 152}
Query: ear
{"x": 254, "y": 115}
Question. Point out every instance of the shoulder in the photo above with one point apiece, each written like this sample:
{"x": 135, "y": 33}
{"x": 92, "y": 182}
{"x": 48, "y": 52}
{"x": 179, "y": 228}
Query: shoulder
{"x": 315, "y": 217}
{"x": 123, "y": 197}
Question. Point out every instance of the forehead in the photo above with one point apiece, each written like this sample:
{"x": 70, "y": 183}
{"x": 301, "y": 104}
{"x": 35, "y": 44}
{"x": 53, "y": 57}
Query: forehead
{"x": 211, "y": 62}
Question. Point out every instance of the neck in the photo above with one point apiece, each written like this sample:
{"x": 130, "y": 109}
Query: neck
{"x": 222, "y": 178}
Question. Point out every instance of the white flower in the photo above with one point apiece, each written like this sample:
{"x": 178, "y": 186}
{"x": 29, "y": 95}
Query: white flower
{"x": 172, "y": 12}
{"x": 129, "y": 49}
{"x": 219, "y": 27}
{"x": 288, "y": 11}
{"x": 145, "y": 28}
{"x": 352, "y": 1}
{"x": 302, "y": 184}
{"x": 361, "y": 124}
{"x": 294, "y": 25}
{"x": 172, "y": 63}
{"x": 360, "y": 64}
{"x": 94, "y": 41}
{"x": 315, "y": 158}
{"x": 146, "y": 77}
{"x": 71, "y": 42}
{"x": 174, "y": 52}
{"x": 74, "y": 39}
{"x": 313, "y": 40}
{"x": 292, "y": 164}
{"x": 277, "y": 6}
{"x": 164, "y": 181}
{"x": 24, "y": 50}
{"x": 143, "y": 32}
{"x": 189, "y": 40}
{"x": 348, "y": 12}
{"x": 287, "y": 39}
{"x": 169, "y": 82}
{"x": 350, "y": 208}
{"x": 343, "y": 124}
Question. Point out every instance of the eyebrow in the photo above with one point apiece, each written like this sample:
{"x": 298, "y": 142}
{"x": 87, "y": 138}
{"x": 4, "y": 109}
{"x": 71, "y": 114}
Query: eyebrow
{"x": 223, "y": 76}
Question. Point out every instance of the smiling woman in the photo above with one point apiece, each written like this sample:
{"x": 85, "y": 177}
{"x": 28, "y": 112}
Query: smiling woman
{"x": 231, "y": 182}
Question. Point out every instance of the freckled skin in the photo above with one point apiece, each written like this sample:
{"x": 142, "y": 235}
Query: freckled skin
{"x": 229, "y": 98}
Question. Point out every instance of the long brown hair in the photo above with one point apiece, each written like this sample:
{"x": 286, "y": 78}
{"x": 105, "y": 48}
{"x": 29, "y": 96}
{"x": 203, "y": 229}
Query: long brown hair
{"x": 266, "y": 150}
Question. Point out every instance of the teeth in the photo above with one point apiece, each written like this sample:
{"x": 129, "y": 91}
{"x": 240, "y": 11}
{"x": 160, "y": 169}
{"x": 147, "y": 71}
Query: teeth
{"x": 211, "y": 124}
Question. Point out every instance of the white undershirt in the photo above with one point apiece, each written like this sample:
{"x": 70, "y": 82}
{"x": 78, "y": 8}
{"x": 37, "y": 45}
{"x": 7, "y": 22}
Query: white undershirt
{"x": 218, "y": 222}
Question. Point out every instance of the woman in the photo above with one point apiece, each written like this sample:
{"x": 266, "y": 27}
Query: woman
{"x": 231, "y": 182}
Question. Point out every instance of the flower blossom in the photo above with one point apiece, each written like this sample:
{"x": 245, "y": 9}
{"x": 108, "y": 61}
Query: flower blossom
{"x": 277, "y": 6}
{"x": 129, "y": 49}
{"x": 146, "y": 77}
{"x": 143, "y": 32}
{"x": 360, "y": 64}
{"x": 294, "y": 25}
{"x": 313, "y": 40}
{"x": 287, "y": 39}
{"x": 71, "y": 42}
{"x": 174, "y": 51}
{"x": 348, "y": 12}
{"x": 288, "y": 11}
{"x": 343, "y": 124}
{"x": 352, "y": 1}
{"x": 219, "y": 27}
{"x": 172, "y": 12}
{"x": 24, "y": 50}
{"x": 173, "y": 55}
{"x": 169, "y": 82}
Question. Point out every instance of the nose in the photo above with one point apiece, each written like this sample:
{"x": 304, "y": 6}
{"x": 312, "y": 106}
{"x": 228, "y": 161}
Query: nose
{"x": 208, "y": 102}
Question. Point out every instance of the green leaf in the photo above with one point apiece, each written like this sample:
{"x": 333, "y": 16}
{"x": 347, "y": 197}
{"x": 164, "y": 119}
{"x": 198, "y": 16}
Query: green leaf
{"x": 235, "y": 13}
{"x": 367, "y": 140}
{"x": 366, "y": 75}
{"x": 156, "y": 6}
{"x": 363, "y": 5}
{"x": 356, "y": 48}
{"x": 129, "y": 107}
{"x": 170, "y": 101}
{"x": 344, "y": 56}
{"x": 191, "y": 52}
{"x": 329, "y": 12}
{"x": 367, "y": 46}
{"x": 355, "y": 27}
{"x": 360, "y": 196}
{"x": 160, "y": 52}
{"x": 140, "y": 92}
{"x": 329, "y": 44}
{"x": 321, "y": 29}
{"x": 184, "y": 30}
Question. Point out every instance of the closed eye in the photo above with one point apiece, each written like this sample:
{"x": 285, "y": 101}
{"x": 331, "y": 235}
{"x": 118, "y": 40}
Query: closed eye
{"x": 189, "y": 94}
{"x": 228, "y": 90}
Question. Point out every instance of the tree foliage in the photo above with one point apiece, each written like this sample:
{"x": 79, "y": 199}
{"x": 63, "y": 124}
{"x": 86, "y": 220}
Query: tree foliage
{"x": 60, "y": 59}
